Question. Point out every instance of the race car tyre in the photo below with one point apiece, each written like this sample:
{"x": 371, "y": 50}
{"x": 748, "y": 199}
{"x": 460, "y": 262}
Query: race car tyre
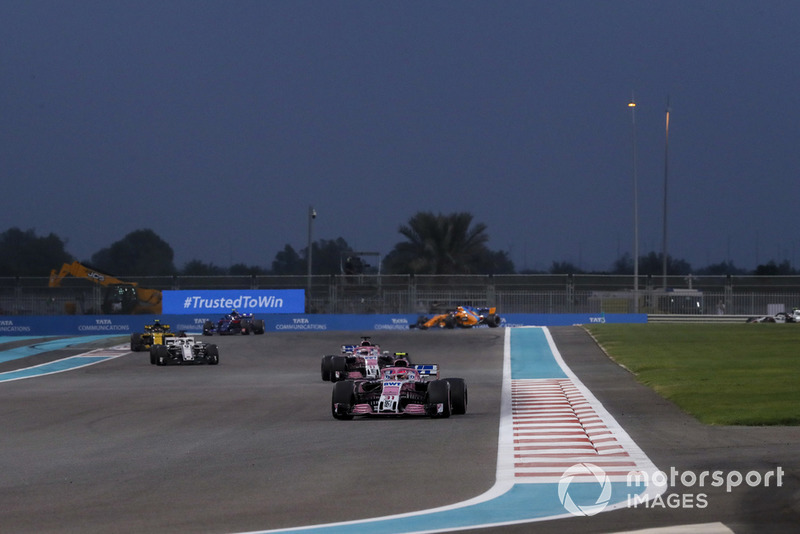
{"x": 438, "y": 393}
{"x": 327, "y": 366}
{"x": 458, "y": 395}
{"x": 421, "y": 320}
{"x": 493, "y": 320}
{"x": 136, "y": 342}
{"x": 449, "y": 322}
{"x": 162, "y": 355}
{"x": 212, "y": 354}
{"x": 258, "y": 326}
{"x": 153, "y": 354}
{"x": 385, "y": 361}
{"x": 338, "y": 365}
{"x": 343, "y": 399}
{"x": 245, "y": 329}
{"x": 208, "y": 328}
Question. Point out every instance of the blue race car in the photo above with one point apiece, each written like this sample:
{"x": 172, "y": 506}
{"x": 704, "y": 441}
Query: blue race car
{"x": 234, "y": 323}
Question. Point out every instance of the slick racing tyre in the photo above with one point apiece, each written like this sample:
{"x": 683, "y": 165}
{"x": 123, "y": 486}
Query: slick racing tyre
{"x": 258, "y": 326}
{"x": 493, "y": 320}
{"x": 458, "y": 395}
{"x": 136, "y": 342}
{"x": 162, "y": 355}
{"x": 212, "y": 355}
{"x": 343, "y": 399}
{"x": 326, "y": 367}
{"x": 338, "y": 368}
{"x": 438, "y": 393}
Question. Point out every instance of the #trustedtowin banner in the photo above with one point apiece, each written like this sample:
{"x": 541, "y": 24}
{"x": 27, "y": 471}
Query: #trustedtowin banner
{"x": 242, "y": 300}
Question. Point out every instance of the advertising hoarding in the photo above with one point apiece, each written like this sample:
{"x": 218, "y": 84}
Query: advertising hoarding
{"x": 222, "y": 301}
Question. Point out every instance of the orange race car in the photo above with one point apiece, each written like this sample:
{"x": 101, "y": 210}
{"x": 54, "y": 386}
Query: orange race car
{"x": 462, "y": 317}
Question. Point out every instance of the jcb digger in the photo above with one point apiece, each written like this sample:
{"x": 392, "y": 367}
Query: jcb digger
{"x": 118, "y": 297}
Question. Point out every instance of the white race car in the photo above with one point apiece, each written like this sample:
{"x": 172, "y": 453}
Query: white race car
{"x": 780, "y": 317}
{"x": 180, "y": 350}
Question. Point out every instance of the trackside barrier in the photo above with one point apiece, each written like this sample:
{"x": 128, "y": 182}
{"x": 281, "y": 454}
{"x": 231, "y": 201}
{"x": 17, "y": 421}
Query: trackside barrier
{"x": 124, "y": 325}
{"x": 677, "y": 318}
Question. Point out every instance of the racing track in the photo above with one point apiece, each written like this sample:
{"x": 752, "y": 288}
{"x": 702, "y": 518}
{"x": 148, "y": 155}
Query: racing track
{"x": 250, "y": 444}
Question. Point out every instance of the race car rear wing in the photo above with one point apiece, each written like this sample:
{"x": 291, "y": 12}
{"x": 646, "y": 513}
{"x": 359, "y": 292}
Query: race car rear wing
{"x": 351, "y": 349}
{"x": 428, "y": 371}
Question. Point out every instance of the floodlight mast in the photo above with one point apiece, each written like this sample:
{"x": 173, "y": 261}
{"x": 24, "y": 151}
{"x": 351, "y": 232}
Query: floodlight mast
{"x": 666, "y": 174}
{"x": 632, "y": 105}
{"x": 312, "y": 214}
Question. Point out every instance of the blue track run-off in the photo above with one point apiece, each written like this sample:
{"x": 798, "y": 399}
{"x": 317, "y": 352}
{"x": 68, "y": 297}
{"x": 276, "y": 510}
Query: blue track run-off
{"x": 58, "y": 366}
{"x": 560, "y": 453}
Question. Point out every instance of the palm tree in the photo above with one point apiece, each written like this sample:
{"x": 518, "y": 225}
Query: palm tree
{"x": 439, "y": 244}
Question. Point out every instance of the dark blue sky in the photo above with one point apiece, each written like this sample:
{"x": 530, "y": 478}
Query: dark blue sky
{"x": 218, "y": 123}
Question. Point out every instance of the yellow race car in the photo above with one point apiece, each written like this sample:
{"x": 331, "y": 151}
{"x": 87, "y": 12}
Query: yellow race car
{"x": 154, "y": 334}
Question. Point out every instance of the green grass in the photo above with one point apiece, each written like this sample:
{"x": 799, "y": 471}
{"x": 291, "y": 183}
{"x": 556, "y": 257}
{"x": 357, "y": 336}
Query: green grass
{"x": 722, "y": 374}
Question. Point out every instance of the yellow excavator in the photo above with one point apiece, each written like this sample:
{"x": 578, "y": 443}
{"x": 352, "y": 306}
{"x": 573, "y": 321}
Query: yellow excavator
{"x": 119, "y": 297}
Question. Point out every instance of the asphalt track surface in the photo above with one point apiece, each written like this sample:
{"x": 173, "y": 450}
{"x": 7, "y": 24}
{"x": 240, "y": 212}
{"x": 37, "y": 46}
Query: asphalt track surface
{"x": 250, "y": 445}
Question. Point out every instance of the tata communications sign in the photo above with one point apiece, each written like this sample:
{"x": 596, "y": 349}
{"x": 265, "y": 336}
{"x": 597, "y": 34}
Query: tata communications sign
{"x": 242, "y": 300}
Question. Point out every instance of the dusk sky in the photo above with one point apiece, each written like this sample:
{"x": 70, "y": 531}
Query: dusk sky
{"x": 218, "y": 123}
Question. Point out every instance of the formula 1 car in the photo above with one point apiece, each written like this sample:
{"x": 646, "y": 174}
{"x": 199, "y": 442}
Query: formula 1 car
{"x": 402, "y": 389}
{"x": 364, "y": 360}
{"x": 181, "y": 350}
{"x": 154, "y": 334}
{"x": 462, "y": 317}
{"x": 780, "y": 317}
{"x": 234, "y": 323}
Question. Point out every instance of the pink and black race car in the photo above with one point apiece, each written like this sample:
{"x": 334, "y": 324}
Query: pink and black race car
{"x": 364, "y": 360}
{"x": 402, "y": 389}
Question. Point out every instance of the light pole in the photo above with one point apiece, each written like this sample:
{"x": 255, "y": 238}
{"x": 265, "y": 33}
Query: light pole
{"x": 632, "y": 105}
{"x": 312, "y": 214}
{"x": 666, "y": 174}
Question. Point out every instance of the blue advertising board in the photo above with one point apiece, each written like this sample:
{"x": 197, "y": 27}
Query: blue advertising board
{"x": 124, "y": 325}
{"x": 313, "y": 322}
{"x": 222, "y": 301}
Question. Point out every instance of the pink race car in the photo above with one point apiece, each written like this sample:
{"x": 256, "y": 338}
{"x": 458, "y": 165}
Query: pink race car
{"x": 402, "y": 389}
{"x": 364, "y": 360}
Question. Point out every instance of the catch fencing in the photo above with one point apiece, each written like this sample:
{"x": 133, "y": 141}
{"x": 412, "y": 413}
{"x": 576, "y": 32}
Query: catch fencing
{"x": 425, "y": 294}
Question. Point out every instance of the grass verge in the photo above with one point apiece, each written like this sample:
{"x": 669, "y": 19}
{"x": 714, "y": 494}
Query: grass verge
{"x": 722, "y": 374}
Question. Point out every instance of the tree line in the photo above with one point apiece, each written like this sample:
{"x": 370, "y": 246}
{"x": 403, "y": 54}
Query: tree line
{"x": 432, "y": 244}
